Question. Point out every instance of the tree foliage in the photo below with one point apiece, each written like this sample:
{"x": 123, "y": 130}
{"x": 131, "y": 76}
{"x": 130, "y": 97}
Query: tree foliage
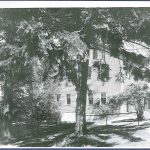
{"x": 136, "y": 95}
{"x": 61, "y": 39}
{"x": 60, "y": 34}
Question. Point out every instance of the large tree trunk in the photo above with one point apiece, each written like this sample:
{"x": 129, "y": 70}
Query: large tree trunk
{"x": 140, "y": 115}
{"x": 140, "y": 110}
{"x": 80, "y": 128}
{"x": 8, "y": 99}
{"x": 8, "y": 111}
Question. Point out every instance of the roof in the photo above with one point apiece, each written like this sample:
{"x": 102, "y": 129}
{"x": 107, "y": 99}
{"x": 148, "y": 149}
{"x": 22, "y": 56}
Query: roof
{"x": 137, "y": 47}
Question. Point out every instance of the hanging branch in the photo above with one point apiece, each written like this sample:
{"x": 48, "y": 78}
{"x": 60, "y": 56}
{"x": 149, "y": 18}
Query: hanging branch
{"x": 125, "y": 60}
{"x": 103, "y": 52}
{"x": 120, "y": 75}
{"x": 103, "y": 67}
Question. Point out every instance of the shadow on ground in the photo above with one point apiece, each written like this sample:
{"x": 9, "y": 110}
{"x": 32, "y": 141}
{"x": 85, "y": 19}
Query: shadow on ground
{"x": 62, "y": 135}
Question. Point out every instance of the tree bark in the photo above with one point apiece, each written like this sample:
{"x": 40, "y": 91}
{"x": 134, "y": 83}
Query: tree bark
{"x": 140, "y": 115}
{"x": 140, "y": 109}
{"x": 8, "y": 98}
{"x": 8, "y": 108}
{"x": 80, "y": 127}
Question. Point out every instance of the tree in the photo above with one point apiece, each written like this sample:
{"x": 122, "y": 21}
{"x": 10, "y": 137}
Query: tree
{"x": 101, "y": 29}
{"x": 21, "y": 75}
{"x": 136, "y": 95}
{"x": 63, "y": 37}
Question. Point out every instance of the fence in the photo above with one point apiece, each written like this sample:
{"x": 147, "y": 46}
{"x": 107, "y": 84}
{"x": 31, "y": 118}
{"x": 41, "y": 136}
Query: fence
{"x": 106, "y": 116}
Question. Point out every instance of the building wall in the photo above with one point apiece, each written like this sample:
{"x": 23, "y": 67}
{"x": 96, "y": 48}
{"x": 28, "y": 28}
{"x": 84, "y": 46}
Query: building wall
{"x": 111, "y": 87}
{"x": 95, "y": 85}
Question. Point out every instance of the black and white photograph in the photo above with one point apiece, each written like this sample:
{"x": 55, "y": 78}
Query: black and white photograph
{"x": 75, "y": 77}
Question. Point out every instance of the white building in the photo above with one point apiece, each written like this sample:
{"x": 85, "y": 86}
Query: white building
{"x": 99, "y": 90}
{"x": 66, "y": 94}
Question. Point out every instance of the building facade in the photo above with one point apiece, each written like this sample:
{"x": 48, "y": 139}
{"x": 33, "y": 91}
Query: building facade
{"x": 99, "y": 90}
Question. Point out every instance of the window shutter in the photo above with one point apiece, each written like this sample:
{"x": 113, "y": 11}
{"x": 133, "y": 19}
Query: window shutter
{"x": 103, "y": 97}
{"x": 68, "y": 98}
{"x": 90, "y": 95}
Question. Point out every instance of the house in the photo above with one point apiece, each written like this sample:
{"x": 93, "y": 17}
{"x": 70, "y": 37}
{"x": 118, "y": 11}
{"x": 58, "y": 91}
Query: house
{"x": 139, "y": 49}
{"x": 100, "y": 90}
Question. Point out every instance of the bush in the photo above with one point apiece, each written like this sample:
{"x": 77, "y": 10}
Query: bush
{"x": 102, "y": 110}
{"x": 135, "y": 95}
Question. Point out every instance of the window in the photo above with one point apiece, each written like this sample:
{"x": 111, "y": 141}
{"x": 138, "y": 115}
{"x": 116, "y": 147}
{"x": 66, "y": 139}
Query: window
{"x": 90, "y": 95}
{"x": 145, "y": 104}
{"x": 149, "y": 104}
{"x": 103, "y": 72}
{"x": 89, "y": 72}
{"x": 127, "y": 107}
{"x": 99, "y": 73}
{"x": 95, "y": 54}
{"x": 103, "y": 97}
{"x": 68, "y": 98}
{"x": 58, "y": 96}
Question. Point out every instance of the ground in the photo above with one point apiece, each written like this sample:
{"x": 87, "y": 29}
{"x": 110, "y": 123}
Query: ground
{"x": 120, "y": 131}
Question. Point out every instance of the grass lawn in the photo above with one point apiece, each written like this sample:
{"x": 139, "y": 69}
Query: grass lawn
{"x": 62, "y": 135}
